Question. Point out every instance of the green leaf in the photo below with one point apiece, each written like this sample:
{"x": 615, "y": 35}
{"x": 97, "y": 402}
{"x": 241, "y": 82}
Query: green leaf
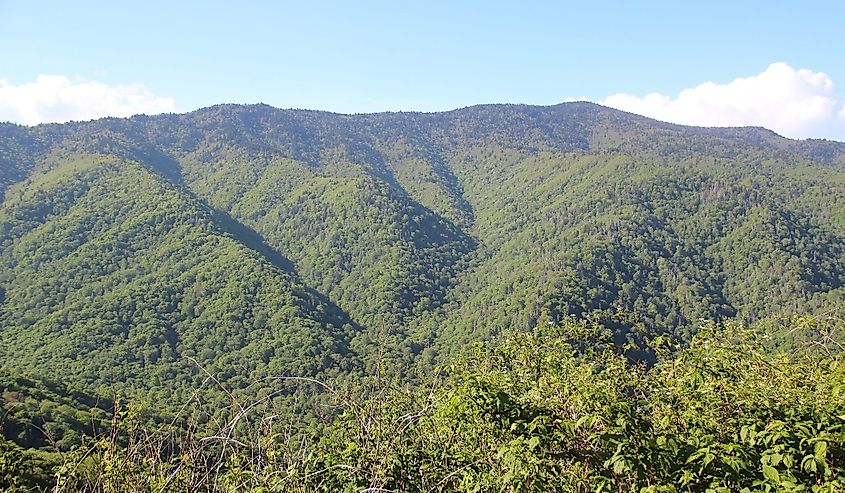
{"x": 771, "y": 474}
{"x": 820, "y": 450}
{"x": 620, "y": 466}
{"x": 809, "y": 464}
{"x": 583, "y": 419}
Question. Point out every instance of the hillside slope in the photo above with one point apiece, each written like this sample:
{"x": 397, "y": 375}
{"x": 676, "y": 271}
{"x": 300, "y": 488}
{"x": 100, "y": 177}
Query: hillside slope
{"x": 120, "y": 283}
{"x": 261, "y": 241}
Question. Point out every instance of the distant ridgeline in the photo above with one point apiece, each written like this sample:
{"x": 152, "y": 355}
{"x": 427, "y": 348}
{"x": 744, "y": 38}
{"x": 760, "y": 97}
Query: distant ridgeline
{"x": 201, "y": 257}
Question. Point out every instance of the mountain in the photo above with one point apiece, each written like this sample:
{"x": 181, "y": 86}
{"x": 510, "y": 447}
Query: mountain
{"x": 139, "y": 256}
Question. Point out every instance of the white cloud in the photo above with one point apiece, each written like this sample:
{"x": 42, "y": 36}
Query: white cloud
{"x": 795, "y": 103}
{"x": 55, "y": 98}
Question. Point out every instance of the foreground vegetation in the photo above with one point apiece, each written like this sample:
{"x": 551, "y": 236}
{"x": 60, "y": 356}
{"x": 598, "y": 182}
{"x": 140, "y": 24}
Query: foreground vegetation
{"x": 561, "y": 408}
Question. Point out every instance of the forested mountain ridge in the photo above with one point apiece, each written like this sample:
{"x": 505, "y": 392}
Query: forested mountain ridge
{"x": 258, "y": 241}
{"x": 125, "y": 286}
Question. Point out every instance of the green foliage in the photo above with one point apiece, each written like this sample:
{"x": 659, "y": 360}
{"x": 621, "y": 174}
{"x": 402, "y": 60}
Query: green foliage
{"x": 558, "y": 409}
{"x": 198, "y": 258}
{"x": 46, "y": 415}
{"x": 441, "y": 229}
{"x": 537, "y": 413}
{"x": 123, "y": 285}
{"x": 24, "y": 470}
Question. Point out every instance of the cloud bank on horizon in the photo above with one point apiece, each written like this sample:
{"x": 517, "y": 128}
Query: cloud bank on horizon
{"x": 794, "y": 103}
{"x": 58, "y": 99}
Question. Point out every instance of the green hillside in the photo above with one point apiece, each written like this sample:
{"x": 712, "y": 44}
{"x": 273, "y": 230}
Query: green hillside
{"x": 123, "y": 285}
{"x": 433, "y": 230}
{"x": 457, "y": 225}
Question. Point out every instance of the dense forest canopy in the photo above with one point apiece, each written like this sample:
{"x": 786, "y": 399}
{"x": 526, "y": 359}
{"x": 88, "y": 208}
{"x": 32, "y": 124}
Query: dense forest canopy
{"x": 197, "y": 258}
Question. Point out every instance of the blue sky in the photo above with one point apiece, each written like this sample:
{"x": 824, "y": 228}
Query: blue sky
{"x": 423, "y": 56}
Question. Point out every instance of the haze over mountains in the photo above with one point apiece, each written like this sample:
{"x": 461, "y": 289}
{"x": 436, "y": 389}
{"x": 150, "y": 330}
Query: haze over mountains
{"x": 254, "y": 242}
